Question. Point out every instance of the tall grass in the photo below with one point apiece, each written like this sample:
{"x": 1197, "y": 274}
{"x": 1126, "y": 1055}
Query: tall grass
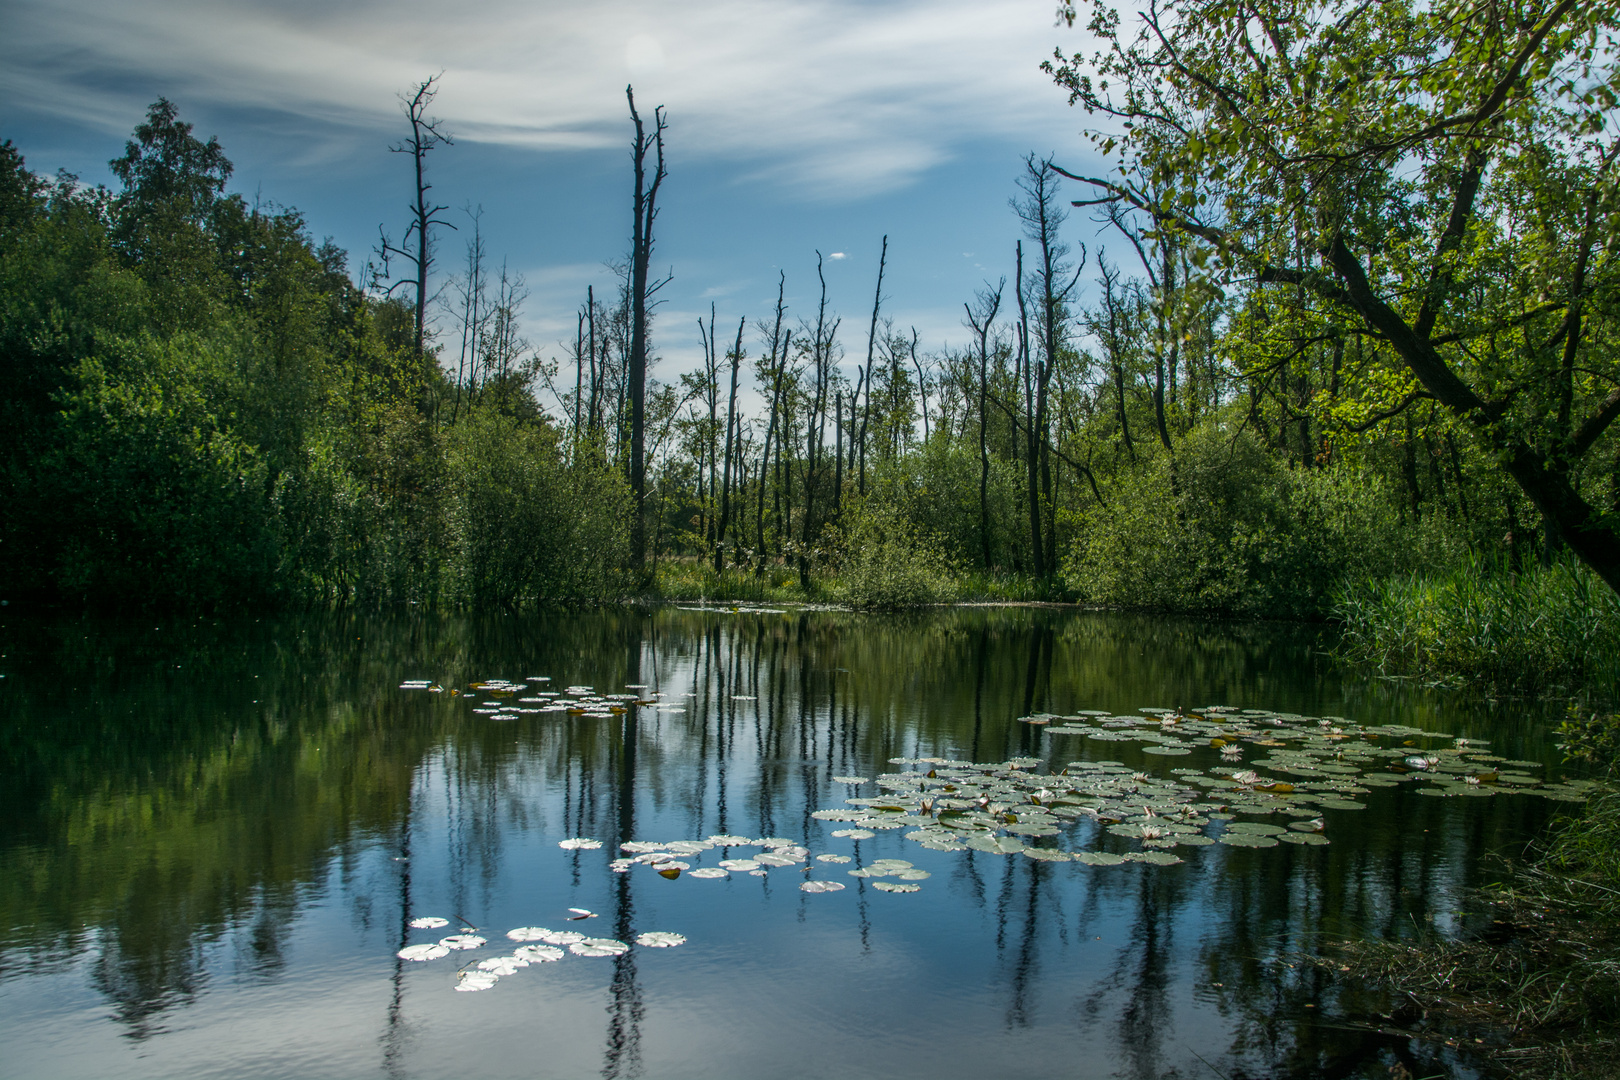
{"x": 1539, "y": 630}
{"x": 693, "y": 579}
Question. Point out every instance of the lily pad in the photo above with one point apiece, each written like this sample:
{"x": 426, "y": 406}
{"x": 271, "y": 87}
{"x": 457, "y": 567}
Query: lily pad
{"x": 423, "y": 952}
{"x": 538, "y": 954}
{"x": 660, "y": 939}
{"x": 579, "y": 843}
{"x": 502, "y": 965}
{"x": 708, "y": 873}
{"x": 832, "y": 858}
{"x": 853, "y": 834}
{"x": 528, "y": 933}
{"x": 462, "y": 941}
{"x": 894, "y": 886}
{"x": 429, "y": 922}
{"x": 472, "y": 981}
{"x": 597, "y": 946}
{"x": 820, "y": 886}
{"x": 563, "y": 937}
{"x": 1312, "y": 838}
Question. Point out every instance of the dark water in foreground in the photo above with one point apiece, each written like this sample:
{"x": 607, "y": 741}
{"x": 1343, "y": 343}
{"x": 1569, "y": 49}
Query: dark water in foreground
{"x": 212, "y": 835}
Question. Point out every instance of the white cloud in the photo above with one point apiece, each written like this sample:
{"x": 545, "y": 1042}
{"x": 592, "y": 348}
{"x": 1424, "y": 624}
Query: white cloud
{"x": 829, "y": 98}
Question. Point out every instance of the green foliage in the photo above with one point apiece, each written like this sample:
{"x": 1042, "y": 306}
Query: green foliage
{"x": 887, "y": 562}
{"x": 1592, "y": 738}
{"x": 1223, "y": 527}
{"x": 153, "y": 495}
{"x": 1535, "y": 630}
{"x": 528, "y": 526}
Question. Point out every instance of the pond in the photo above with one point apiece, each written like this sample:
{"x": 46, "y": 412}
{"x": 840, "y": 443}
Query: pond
{"x": 221, "y": 835}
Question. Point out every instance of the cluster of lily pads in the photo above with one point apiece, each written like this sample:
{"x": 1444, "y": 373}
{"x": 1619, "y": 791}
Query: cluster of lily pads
{"x": 534, "y": 945}
{"x": 1312, "y": 765}
{"x": 508, "y": 700}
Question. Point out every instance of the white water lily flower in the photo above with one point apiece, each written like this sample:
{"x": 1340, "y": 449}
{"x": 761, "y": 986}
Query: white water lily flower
{"x": 598, "y": 947}
{"x": 660, "y": 939}
{"x": 429, "y": 922}
{"x": 462, "y": 941}
{"x": 422, "y": 952}
{"x": 538, "y": 954}
{"x": 579, "y": 843}
{"x": 472, "y": 981}
{"x": 528, "y": 933}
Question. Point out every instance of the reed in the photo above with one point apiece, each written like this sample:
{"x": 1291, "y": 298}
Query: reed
{"x": 1541, "y": 630}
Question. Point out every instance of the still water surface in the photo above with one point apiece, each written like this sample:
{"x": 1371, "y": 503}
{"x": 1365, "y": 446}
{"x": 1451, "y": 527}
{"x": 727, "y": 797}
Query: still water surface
{"x": 213, "y": 835}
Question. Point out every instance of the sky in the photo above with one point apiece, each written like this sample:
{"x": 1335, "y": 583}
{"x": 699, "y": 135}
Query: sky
{"x": 795, "y": 126}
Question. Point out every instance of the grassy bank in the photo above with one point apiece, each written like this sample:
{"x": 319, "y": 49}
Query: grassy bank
{"x": 1541, "y": 983}
{"x": 1542, "y": 630}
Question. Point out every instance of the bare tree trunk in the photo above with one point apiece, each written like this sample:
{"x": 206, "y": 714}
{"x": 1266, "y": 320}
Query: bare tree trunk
{"x": 725, "y": 477}
{"x": 989, "y": 304}
{"x": 1031, "y": 456}
{"x": 778, "y": 365}
{"x": 871, "y": 340}
{"x": 646, "y": 211}
{"x": 838, "y": 452}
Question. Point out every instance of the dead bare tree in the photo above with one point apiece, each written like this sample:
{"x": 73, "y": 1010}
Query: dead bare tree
{"x": 641, "y": 290}
{"x": 416, "y": 245}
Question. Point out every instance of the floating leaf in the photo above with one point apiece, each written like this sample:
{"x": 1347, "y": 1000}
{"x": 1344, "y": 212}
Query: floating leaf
{"x": 708, "y": 873}
{"x": 538, "y": 954}
{"x": 423, "y": 952}
{"x": 853, "y": 834}
{"x": 502, "y": 965}
{"x": 660, "y": 939}
{"x": 429, "y": 922}
{"x": 529, "y": 933}
{"x": 850, "y": 780}
{"x": 1314, "y": 838}
{"x": 579, "y": 843}
{"x": 832, "y": 858}
{"x": 820, "y": 886}
{"x": 472, "y": 981}
{"x": 562, "y": 937}
{"x": 739, "y": 864}
{"x": 597, "y": 946}
{"x": 462, "y": 941}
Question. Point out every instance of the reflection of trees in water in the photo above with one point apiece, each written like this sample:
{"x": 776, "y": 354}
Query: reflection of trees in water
{"x": 199, "y": 812}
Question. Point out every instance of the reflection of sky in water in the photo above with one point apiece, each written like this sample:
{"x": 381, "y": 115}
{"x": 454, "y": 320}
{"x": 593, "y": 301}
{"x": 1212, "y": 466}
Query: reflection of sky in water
{"x": 204, "y": 875}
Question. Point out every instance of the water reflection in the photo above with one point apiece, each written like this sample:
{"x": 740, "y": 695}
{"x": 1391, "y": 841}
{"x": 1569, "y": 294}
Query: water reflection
{"x": 202, "y": 808}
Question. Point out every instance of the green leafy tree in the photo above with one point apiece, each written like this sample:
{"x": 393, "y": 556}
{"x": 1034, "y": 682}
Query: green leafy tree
{"x": 1436, "y": 180}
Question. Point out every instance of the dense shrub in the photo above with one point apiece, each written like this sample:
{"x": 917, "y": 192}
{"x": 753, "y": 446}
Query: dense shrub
{"x": 1224, "y": 527}
{"x": 887, "y": 562}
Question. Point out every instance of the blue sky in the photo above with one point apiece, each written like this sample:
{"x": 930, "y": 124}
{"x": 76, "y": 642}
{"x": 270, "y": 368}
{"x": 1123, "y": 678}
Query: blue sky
{"x": 795, "y": 125}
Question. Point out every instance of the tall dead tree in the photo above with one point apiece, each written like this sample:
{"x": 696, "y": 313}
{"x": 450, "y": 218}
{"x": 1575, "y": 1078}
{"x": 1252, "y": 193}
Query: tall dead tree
{"x": 871, "y": 342}
{"x": 1042, "y": 216}
{"x": 981, "y": 320}
{"x": 416, "y": 246}
{"x": 777, "y": 364}
{"x": 725, "y": 476}
{"x": 641, "y": 290}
